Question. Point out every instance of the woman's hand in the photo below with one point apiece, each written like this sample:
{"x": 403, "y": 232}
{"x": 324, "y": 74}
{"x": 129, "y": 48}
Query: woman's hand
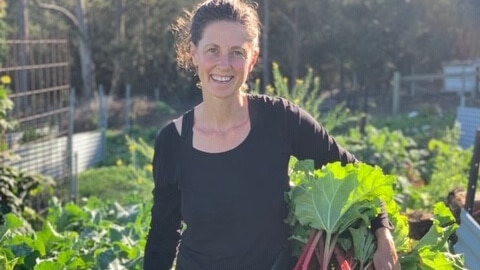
{"x": 385, "y": 257}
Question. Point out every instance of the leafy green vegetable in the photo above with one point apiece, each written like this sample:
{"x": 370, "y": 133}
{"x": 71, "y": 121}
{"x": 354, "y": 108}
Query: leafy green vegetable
{"x": 334, "y": 205}
{"x": 336, "y": 197}
{"x": 95, "y": 235}
{"x": 364, "y": 245}
{"x": 432, "y": 251}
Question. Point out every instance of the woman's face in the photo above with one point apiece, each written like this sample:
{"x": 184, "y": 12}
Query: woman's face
{"x": 224, "y": 57}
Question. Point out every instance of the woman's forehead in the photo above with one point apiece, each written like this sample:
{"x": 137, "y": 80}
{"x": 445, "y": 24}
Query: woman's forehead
{"x": 224, "y": 32}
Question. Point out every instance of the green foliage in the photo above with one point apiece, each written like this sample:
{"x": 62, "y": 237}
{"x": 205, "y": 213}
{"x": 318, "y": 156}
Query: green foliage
{"x": 32, "y": 134}
{"x": 6, "y": 124}
{"x": 389, "y": 149}
{"x": 148, "y": 54}
{"x": 3, "y": 30}
{"x": 448, "y": 166}
{"x": 18, "y": 191}
{"x": 421, "y": 127}
{"x": 94, "y": 235}
{"x": 433, "y": 251}
{"x": 118, "y": 146}
{"x": 338, "y": 199}
{"x": 117, "y": 149}
{"x": 114, "y": 183}
{"x": 425, "y": 175}
{"x": 359, "y": 35}
{"x": 337, "y": 192}
{"x": 306, "y": 93}
{"x": 125, "y": 182}
{"x": 164, "y": 108}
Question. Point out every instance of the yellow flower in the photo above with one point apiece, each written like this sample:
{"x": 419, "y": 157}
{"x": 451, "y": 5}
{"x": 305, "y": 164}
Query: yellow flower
{"x": 119, "y": 162}
{"x": 149, "y": 167}
{"x": 5, "y": 79}
{"x": 132, "y": 148}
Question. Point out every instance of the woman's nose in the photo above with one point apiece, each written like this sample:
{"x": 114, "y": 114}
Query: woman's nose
{"x": 224, "y": 60}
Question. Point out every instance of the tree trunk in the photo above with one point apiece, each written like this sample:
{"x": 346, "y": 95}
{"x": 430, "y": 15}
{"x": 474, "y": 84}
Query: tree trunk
{"x": 116, "y": 81}
{"x": 296, "y": 44}
{"x": 86, "y": 62}
{"x": 294, "y": 55}
{"x": 80, "y": 21}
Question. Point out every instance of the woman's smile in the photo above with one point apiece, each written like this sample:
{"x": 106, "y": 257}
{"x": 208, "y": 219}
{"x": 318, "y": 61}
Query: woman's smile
{"x": 222, "y": 79}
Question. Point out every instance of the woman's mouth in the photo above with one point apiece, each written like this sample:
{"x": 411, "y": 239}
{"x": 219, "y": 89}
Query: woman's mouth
{"x": 221, "y": 79}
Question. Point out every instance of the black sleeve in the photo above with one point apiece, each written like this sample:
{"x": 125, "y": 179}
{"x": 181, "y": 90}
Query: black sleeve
{"x": 163, "y": 236}
{"x": 310, "y": 140}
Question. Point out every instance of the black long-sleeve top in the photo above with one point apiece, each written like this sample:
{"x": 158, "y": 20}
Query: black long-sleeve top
{"x": 232, "y": 203}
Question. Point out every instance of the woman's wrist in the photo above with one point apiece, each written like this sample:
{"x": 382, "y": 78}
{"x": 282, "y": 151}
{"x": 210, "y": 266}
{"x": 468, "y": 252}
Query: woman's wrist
{"x": 383, "y": 233}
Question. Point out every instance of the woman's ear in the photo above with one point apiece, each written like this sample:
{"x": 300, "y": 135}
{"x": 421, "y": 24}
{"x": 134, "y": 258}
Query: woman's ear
{"x": 194, "y": 54}
{"x": 253, "y": 61}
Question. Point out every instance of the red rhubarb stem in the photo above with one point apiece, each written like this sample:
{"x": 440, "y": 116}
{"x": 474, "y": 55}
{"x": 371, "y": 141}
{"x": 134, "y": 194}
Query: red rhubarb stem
{"x": 342, "y": 261}
{"x": 304, "y": 260}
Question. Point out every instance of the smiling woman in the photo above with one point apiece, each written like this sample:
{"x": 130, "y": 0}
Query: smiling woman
{"x": 222, "y": 167}
{"x": 223, "y": 58}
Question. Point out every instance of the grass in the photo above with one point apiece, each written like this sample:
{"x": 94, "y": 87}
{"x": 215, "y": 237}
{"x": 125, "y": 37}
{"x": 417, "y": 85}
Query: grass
{"x": 115, "y": 178}
{"x": 115, "y": 183}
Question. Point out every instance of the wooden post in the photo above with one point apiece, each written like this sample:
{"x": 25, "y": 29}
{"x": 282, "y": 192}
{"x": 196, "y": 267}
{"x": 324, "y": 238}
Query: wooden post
{"x": 103, "y": 113}
{"x": 413, "y": 89}
{"x": 128, "y": 102}
{"x": 157, "y": 94}
{"x": 71, "y": 162}
{"x": 396, "y": 93}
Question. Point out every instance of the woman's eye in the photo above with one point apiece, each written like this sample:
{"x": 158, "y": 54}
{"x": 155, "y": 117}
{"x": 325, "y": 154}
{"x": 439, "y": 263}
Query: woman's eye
{"x": 212, "y": 50}
{"x": 238, "y": 53}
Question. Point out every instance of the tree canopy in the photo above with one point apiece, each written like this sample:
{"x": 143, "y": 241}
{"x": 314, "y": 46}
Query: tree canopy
{"x": 132, "y": 44}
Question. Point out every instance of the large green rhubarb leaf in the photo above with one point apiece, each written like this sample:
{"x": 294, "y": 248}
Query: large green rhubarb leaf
{"x": 339, "y": 192}
{"x": 373, "y": 183}
{"x": 324, "y": 201}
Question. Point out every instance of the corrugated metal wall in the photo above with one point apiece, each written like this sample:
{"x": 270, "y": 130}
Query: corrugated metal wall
{"x": 469, "y": 241}
{"x": 469, "y": 119}
{"x": 43, "y": 157}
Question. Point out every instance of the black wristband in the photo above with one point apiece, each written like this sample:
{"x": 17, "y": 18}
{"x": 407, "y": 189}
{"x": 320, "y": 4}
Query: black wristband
{"x": 381, "y": 221}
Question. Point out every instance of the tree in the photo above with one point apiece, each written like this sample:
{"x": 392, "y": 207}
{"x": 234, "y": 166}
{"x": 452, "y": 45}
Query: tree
{"x": 130, "y": 40}
{"x": 119, "y": 43}
{"x": 370, "y": 38}
{"x": 147, "y": 52}
{"x": 80, "y": 21}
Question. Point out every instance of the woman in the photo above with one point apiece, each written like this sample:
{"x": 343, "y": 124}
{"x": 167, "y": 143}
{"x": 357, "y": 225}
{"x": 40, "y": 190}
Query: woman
{"x": 221, "y": 168}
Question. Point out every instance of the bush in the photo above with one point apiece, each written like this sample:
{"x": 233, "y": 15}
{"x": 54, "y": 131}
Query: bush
{"x": 24, "y": 194}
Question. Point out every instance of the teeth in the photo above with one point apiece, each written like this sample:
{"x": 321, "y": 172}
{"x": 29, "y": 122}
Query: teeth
{"x": 222, "y": 78}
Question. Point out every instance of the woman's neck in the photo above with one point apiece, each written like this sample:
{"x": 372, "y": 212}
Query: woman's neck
{"x": 222, "y": 114}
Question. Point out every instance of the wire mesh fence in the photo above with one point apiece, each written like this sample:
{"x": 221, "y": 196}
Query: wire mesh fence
{"x": 40, "y": 90}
